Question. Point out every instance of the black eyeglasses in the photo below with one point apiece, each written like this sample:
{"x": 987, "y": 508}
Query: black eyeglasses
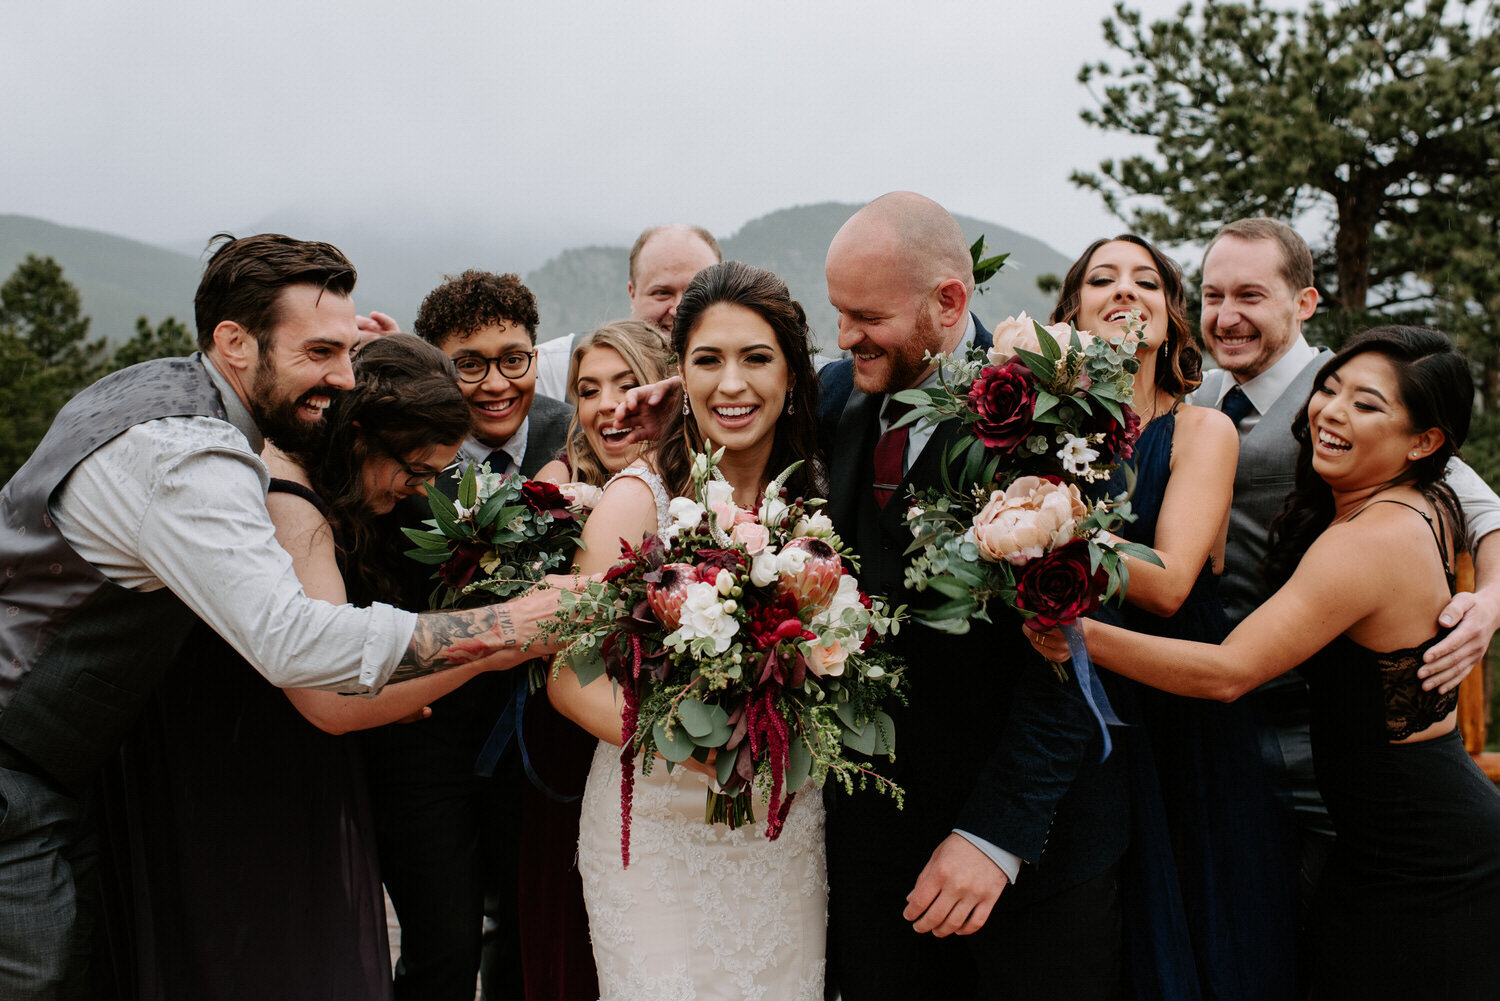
{"x": 512, "y": 365}
{"x": 415, "y": 477}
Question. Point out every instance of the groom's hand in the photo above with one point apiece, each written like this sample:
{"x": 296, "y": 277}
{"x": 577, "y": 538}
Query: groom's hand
{"x": 956, "y": 891}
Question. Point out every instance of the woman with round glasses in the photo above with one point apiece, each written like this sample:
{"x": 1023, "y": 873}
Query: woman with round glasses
{"x": 447, "y": 837}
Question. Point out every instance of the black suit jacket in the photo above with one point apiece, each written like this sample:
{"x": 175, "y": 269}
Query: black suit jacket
{"x": 991, "y": 742}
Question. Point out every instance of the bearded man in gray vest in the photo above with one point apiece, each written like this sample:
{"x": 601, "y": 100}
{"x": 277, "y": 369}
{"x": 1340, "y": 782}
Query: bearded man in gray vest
{"x": 1257, "y": 293}
{"x": 143, "y": 511}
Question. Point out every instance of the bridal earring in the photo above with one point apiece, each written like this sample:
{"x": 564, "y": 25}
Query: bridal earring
{"x": 791, "y": 406}
{"x": 686, "y": 410}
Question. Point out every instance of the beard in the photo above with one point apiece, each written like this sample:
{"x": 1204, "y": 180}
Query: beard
{"x": 278, "y": 418}
{"x": 907, "y": 364}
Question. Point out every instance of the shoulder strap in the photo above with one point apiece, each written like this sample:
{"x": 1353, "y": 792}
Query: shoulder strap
{"x": 280, "y": 486}
{"x": 1439, "y": 533}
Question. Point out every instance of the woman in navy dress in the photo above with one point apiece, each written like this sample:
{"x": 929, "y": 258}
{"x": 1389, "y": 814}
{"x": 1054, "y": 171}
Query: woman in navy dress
{"x": 1204, "y": 921}
{"x": 1363, "y": 552}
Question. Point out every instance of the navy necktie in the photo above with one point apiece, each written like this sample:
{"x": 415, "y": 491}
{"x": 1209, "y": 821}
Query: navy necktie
{"x": 499, "y": 461}
{"x": 1236, "y": 404}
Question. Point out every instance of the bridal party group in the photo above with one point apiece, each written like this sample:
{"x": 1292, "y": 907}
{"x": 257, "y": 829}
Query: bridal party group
{"x": 236, "y": 719}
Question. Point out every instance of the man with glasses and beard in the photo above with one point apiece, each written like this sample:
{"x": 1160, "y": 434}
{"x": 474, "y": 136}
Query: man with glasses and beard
{"x": 141, "y": 514}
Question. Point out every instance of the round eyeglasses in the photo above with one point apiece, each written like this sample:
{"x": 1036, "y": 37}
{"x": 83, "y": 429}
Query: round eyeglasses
{"x": 474, "y": 368}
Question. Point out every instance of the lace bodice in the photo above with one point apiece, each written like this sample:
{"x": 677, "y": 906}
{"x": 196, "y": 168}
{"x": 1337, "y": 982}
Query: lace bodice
{"x": 658, "y": 490}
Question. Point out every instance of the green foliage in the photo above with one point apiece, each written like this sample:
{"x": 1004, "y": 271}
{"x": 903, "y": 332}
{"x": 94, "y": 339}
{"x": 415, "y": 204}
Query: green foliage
{"x": 44, "y": 355}
{"x": 170, "y": 339}
{"x": 1377, "y": 115}
{"x": 984, "y": 267}
{"x": 41, "y": 306}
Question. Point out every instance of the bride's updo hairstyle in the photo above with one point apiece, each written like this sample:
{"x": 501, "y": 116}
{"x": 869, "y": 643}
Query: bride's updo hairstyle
{"x": 764, "y": 294}
{"x": 1179, "y": 365}
{"x": 405, "y": 398}
{"x": 1437, "y": 391}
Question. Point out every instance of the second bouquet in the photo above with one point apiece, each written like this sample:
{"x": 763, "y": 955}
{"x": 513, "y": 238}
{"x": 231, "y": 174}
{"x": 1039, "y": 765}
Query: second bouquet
{"x": 737, "y": 638}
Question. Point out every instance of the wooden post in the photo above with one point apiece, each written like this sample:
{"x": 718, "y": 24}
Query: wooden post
{"x": 1473, "y": 695}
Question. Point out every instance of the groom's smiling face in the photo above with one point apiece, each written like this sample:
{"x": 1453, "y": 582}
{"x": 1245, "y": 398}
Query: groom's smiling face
{"x": 306, "y": 362}
{"x": 886, "y": 322}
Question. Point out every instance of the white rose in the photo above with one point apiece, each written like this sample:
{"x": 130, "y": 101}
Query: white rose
{"x": 704, "y": 615}
{"x": 716, "y": 492}
{"x": 772, "y": 512}
{"x": 817, "y": 525}
{"x": 791, "y": 562}
{"x": 685, "y": 512}
{"x": 764, "y": 568}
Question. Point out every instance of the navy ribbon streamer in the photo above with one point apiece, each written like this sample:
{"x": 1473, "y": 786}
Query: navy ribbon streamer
{"x": 1093, "y": 688}
{"x": 511, "y": 724}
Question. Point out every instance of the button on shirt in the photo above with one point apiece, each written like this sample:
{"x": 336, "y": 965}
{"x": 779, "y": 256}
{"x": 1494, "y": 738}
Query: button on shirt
{"x": 180, "y": 502}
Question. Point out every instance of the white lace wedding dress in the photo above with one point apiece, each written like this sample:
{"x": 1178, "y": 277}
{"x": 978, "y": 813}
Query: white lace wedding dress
{"x": 702, "y": 912}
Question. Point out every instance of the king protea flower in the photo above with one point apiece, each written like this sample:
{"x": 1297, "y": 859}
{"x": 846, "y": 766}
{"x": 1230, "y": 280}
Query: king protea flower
{"x": 809, "y": 572}
{"x": 666, "y": 598}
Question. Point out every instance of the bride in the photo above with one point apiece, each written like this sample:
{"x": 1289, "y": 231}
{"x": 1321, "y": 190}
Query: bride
{"x": 703, "y": 911}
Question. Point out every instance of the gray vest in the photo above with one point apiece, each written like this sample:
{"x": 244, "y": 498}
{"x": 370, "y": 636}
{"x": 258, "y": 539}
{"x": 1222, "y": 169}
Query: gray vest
{"x": 1264, "y": 477}
{"x": 78, "y": 653}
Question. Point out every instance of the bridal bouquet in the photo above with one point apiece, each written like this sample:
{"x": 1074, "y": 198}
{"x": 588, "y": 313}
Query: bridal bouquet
{"x": 1046, "y": 409}
{"x": 501, "y": 538}
{"x": 737, "y": 637}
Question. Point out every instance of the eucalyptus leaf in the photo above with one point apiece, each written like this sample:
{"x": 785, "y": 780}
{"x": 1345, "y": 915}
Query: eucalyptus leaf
{"x": 799, "y": 764}
{"x": 673, "y": 744}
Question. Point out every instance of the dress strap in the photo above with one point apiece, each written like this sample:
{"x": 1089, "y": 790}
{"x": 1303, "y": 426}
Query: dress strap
{"x": 280, "y": 486}
{"x": 1439, "y": 534}
{"x": 658, "y": 491}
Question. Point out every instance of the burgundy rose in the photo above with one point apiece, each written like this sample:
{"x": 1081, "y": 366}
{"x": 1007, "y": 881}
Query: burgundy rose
{"x": 1005, "y": 398}
{"x": 1058, "y": 587}
{"x": 460, "y": 568}
{"x": 546, "y": 498}
{"x": 1119, "y": 440}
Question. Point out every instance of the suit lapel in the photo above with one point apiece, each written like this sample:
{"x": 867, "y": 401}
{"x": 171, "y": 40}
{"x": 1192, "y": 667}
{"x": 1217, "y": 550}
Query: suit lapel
{"x": 858, "y": 425}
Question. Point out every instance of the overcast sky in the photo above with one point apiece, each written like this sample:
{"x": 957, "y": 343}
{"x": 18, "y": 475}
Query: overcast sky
{"x": 574, "y": 121}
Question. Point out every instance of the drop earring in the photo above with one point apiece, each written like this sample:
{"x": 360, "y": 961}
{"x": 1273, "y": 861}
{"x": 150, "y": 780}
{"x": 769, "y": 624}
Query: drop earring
{"x": 791, "y": 405}
{"x": 686, "y": 410}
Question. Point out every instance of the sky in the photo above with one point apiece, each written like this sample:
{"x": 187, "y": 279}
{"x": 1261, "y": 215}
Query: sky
{"x": 555, "y": 124}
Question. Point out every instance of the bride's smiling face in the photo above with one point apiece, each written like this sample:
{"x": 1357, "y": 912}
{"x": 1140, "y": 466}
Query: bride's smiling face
{"x": 736, "y": 377}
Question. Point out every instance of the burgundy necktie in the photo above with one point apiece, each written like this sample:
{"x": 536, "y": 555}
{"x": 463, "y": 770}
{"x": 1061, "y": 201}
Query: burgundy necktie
{"x": 890, "y": 453}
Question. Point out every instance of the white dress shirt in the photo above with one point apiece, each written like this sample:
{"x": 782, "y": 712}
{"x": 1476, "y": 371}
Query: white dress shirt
{"x": 180, "y": 502}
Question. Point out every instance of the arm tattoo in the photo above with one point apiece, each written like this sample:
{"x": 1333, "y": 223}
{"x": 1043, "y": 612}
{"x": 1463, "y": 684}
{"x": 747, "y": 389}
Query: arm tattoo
{"x": 449, "y": 639}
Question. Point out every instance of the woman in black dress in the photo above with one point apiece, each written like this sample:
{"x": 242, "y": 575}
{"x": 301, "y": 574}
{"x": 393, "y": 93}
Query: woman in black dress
{"x": 1364, "y": 550}
{"x": 239, "y": 853}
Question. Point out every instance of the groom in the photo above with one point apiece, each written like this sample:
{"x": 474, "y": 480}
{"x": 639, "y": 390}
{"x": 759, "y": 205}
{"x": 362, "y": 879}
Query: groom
{"x": 1012, "y": 826}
